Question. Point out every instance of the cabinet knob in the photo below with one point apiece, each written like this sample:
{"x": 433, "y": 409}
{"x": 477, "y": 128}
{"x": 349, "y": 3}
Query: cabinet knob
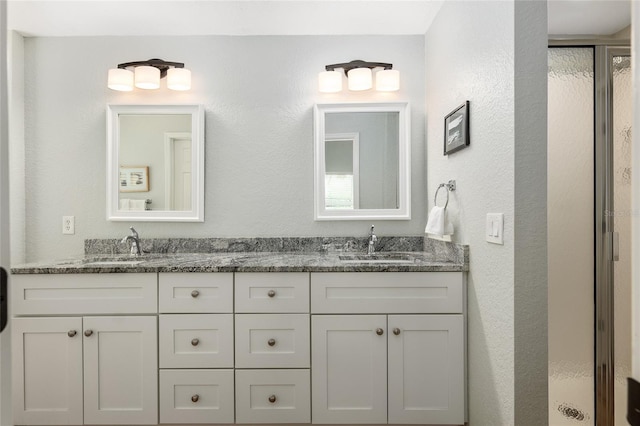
{"x": 396, "y": 331}
{"x": 195, "y": 293}
{"x": 379, "y": 331}
{"x": 194, "y": 342}
{"x": 195, "y": 398}
{"x": 271, "y": 293}
{"x": 88, "y": 333}
{"x": 72, "y": 333}
{"x": 272, "y": 399}
{"x": 271, "y": 342}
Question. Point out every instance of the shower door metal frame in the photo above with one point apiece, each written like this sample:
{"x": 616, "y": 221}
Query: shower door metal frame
{"x": 606, "y": 242}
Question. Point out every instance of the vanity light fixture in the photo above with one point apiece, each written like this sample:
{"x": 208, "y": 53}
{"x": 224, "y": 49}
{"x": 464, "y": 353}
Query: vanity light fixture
{"x": 147, "y": 75}
{"x": 359, "y": 75}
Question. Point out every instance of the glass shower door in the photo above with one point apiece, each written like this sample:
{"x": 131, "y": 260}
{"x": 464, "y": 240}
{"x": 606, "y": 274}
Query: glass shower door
{"x": 622, "y": 117}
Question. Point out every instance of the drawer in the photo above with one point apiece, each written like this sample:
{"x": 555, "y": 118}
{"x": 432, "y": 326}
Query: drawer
{"x": 194, "y": 292}
{"x": 79, "y": 294}
{"x": 273, "y": 396}
{"x": 196, "y": 341}
{"x": 196, "y": 396}
{"x": 272, "y": 341}
{"x": 387, "y": 292}
{"x": 272, "y": 292}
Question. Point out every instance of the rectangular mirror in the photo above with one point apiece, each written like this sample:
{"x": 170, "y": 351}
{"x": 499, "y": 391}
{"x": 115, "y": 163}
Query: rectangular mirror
{"x": 155, "y": 163}
{"x": 362, "y": 161}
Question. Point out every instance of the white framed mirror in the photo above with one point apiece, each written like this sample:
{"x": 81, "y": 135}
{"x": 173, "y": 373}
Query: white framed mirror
{"x": 155, "y": 163}
{"x": 362, "y": 161}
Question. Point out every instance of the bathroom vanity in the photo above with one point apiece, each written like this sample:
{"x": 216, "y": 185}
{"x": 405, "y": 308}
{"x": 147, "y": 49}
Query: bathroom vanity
{"x": 325, "y": 338}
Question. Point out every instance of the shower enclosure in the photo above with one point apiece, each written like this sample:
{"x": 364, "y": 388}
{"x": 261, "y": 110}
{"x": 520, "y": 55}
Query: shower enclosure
{"x": 589, "y": 219}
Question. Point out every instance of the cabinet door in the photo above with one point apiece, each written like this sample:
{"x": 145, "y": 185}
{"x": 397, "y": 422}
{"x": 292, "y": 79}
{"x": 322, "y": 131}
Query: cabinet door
{"x": 120, "y": 370}
{"x": 426, "y": 369}
{"x": 47, "y": 371}
{"x": 349, "y": 374}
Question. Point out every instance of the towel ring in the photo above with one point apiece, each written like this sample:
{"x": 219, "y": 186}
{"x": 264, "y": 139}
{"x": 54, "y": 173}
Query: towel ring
{"x": 435, "y": 198}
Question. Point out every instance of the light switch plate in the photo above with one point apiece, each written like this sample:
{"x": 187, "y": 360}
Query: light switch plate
{"x": 494, "y": 232}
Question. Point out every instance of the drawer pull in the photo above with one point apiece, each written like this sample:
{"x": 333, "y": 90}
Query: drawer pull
{"x": 194, "y": 342}
{"x": 379, "y": 331}
{"x": 272, "y": 399}
{"x": 195, "y": 293}
{"x": 72, "y": 333}
{"x": 271, "y": 342}
{"x": 396, "y": 331}
{"x": 271, "y": 293}
{"x": 88, "y": 333}
{"x": 195, "y": 398}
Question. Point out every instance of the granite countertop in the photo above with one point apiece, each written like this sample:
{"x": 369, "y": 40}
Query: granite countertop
{"x": 349, "y": 256}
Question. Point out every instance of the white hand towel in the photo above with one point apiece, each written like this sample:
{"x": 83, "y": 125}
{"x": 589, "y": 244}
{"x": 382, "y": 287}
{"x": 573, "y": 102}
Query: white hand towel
{"x": 438, "y": 222}
{"x": 136, "y": 205}
{"x": 125, "y": 204}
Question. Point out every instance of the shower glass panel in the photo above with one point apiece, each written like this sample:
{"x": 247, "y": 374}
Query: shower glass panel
{"x": 571, "y": 235}
{"x": 622, "y": 118}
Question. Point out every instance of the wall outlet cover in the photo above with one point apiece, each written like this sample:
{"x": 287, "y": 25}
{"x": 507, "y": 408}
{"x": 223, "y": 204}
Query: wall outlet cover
{"x": 68, "y": 225}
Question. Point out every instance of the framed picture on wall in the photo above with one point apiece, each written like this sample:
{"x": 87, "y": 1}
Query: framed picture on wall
{"x": 456, "y": 129}
{"x": 134, "y": 179}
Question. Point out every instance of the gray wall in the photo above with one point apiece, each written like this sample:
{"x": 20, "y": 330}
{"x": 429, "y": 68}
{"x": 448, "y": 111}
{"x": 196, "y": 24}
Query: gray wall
{"x": 474, "y": 52}
{"x": 258, "y": 94}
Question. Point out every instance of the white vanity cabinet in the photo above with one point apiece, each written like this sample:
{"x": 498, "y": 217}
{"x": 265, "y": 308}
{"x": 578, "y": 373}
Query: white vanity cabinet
{"x": 272, "y": 347}
{"x": 395, "y": 361}
{"x": 196, "y": 348}
{"x": 87, "y": 369}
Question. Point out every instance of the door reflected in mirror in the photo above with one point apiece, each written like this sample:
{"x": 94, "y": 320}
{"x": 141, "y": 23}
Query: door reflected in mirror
{"x": 362, "y": 161}
{"x": 156, "y": 163}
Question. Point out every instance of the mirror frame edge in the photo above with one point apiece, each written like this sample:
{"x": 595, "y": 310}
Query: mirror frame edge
{"x": 403, "y": 212}
{"x": 197, "y": 129}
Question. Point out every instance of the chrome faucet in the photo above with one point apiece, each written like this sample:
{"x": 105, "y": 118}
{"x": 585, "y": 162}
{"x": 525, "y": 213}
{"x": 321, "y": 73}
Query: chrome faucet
{"x": 372, "y": 241}
{"x": 134, "y": 239}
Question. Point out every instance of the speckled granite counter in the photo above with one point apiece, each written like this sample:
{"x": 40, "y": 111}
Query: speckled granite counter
{"x": 263, "y": 255}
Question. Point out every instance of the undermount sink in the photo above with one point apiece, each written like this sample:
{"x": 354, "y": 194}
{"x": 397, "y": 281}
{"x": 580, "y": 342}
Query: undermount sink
{"x": 377, "y": 258}
{"x": 114, "y": 263}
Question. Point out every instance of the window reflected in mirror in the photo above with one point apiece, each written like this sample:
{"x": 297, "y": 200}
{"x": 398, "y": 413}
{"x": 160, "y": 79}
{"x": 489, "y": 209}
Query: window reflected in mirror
{"x": 362, "y": 161}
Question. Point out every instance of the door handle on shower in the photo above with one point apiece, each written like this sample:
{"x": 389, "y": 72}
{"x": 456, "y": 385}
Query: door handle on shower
{"x": 614, "y": 246}
{"x": 4, "y": 302}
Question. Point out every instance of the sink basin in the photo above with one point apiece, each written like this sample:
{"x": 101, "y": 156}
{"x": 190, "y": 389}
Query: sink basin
{"x": 377, "y": 258}
{"x": 114, "y": 263}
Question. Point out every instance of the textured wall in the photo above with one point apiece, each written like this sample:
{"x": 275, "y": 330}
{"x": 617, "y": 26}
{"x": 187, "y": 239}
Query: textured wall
{"x": 258, "y": 94}
{"x": 471, "y": 51}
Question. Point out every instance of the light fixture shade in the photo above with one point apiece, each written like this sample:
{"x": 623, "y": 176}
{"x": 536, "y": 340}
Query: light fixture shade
{"x": 120, "y": 80}
{"x": 360, "y": 79}
{"x": 147, "y": 77}
{"x": 330, "y": 81}
{"x": 388, "y": 80}
{"x": 179, "y": 79}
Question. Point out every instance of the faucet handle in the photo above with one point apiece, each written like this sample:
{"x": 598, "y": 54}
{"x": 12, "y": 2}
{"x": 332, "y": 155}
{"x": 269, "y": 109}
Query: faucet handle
{"x": 134, "y": 232}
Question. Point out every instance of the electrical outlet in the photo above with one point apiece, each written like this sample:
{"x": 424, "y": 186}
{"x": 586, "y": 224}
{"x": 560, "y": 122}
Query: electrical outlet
{"x": 68, "y": 225}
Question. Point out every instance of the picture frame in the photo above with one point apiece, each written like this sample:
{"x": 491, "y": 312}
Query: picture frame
{"x": 133, "y": 179}
{"x": 456, "y": 129}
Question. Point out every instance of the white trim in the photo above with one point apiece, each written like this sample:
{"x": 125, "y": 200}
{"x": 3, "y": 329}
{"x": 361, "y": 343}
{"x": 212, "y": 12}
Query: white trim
{"x": 196, "y": 214}
{"x": 403, "y": 212}
{"x": 354, "y": 138}
{"x": 169, "y": 143}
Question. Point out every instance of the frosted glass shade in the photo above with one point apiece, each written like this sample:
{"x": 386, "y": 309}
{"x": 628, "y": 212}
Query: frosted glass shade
{"x": 120, "y": 79}
{"x": 179, "y": 79}
{"x": 388, "y": 80}
{"x": 360, "y": 79}
{"x": 330, "y": 81}
{"x": 147, "y": 77}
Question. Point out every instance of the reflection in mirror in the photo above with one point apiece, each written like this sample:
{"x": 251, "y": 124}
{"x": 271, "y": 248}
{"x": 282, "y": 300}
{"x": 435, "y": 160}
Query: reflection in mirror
{"x": 362, "y": 161}
{"x": 156, "y": 163}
